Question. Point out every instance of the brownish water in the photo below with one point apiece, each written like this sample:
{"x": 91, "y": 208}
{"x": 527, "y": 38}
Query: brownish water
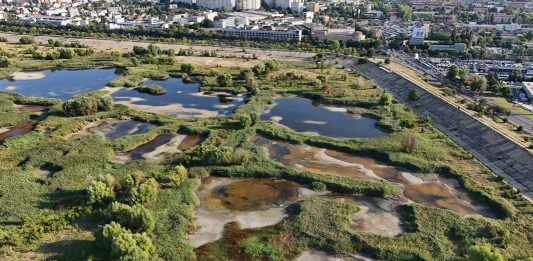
{"x": 189, "y": 142}
{"x": 17, "y": 130}
{"x": 255, "y": 194}
{"x": 430, "y": 190}
{"x": 32, "y": 108}
{"x": 251, "y": 203}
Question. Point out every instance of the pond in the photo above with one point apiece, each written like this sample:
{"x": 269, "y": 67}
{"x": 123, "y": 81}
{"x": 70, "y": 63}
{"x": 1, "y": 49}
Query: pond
{"x": 17, "y": 130}
{"x": 252, "y": 203}
{"x": 305, "y": 115}
{"x": 180, "y": 100}
{"x": 430, "y": 189}
{"x": 158, "y": 148}
{"x": 59, "y": 84}
{"x": 114, "y": 128}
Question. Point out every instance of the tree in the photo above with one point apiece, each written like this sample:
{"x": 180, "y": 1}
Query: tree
{"x": 453, "y": 72}
{"x": 483, "y": 252}
{"x": 225, "y": 80}
{"x": 187, "y": 68}
{"x": 26, "y": 40}
{"x": 386, "y": 99}
{"x": 271, "y": 65}
{"x": 125, "y": 245}
{"x": 179, "y": 175}
{"x": 493, "y": 83}
{"x": 4, "y": 62}
{"x": 136, "y": 218}
{"x": 256, "y": 118}
{"x": 101, "y": 190}
{"x": 139, "y": 50}
{"x": 405, "y": 12}
{"x": 247, "y": 75}
{"x": 387, "y": 60}
{"x": 478, "y": 84}
{"x": 245, "y": 121}
{"x": 145, "y": 193}
{"x": 506, "y": 92}
{"x": 154, "y": 49}
{"x": 66, "y": 53}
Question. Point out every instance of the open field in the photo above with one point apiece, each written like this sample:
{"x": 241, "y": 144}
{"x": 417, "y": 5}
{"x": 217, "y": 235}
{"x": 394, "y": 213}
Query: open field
{"x": 125, "y": 46}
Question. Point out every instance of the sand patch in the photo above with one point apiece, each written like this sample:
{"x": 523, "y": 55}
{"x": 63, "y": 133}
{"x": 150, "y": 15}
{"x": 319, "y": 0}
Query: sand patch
{"x": 336, "y": 109}
{"x": 315, "y": 122}
{"x": 27, "y": 76}
{"x": 276, "y": 118}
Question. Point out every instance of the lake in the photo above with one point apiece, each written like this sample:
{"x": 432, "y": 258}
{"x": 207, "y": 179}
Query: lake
{"x": 180, "y": 100}
{"x": 304, "y": 115}
{"x": 59, "y": 84}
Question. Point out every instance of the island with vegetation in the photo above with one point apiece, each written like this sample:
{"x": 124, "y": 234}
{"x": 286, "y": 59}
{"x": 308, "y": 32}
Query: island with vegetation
{"x": 99, "y": 175}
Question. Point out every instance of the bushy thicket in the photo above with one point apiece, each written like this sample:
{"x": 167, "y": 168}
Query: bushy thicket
{"x": 152, "y": 89}
{"x": 87, "y": 104}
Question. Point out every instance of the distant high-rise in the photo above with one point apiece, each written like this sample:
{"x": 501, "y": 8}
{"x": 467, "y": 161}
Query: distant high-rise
{"x": 216, "y": 4}
{"x": 248, "y": 4}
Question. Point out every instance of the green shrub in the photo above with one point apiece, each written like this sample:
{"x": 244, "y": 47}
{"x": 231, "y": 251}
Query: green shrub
{"x": 87, "y": 104}
{"x": 484, "y": 252}
{"x": 145, "y": 193}
{"x": 136, "y": 218}
{"x": 125, "y": 245}
{"x": 180, "y": 174}
{"x": 318, "y": 186}
{"x": 245, "y": 121}
{"x": 259, "y": 249}
{"x": 101, "y": 190}
{"x": 26, "y": 40}
{"x": 152, "y": 89}
{"x": 4, "y": 62}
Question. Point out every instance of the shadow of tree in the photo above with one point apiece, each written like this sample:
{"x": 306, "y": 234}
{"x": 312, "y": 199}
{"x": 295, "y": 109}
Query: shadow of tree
{"x": 77, "y": 249}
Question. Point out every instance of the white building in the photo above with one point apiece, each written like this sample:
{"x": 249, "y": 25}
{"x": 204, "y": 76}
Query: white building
{"x": 225, "y": 23}
{"x": 211, "y": 15}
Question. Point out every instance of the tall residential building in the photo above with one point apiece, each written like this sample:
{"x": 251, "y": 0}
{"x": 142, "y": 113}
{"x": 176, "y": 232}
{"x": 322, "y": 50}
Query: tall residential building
{"x": 189, "y": 2}
{"x": 216, "y": 4}
{"x": 248, "y": 4}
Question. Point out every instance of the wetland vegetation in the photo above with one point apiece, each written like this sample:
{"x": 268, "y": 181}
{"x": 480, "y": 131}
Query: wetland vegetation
{"x": 115, "y": 181}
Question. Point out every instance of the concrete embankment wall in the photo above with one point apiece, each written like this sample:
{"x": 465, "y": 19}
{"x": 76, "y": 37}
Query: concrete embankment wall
{"x": 490, "y": 147}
